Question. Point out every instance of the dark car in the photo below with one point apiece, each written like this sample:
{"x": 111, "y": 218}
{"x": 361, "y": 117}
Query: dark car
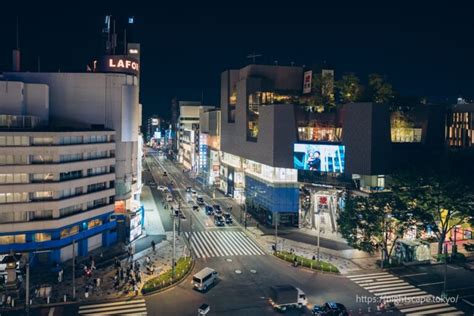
{"x": 209, "y": 210}
{"x": 165, "y": 174}
{"x": 188, "y": 189}
{"x": 217, "y": 209}
{"x": 330, "y": 309}
{"x": 195, "y": 208}
{"x": 200, "y": 200}
{"x": 219, "y": 220}
{"x": 228, "y": 218}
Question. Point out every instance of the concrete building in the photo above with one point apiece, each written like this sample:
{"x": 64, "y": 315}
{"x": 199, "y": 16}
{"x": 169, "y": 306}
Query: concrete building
{"x": 188, "y": 133}
{"x": 71, "y": 152}
{"x": 460, "y": 126}
{"x": 153, "y": 124}
{"x": 287, "y": 162}
{"x": 209, "y": 147}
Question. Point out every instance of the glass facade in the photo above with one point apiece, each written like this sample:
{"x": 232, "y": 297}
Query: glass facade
{"x": 274, "y": 198}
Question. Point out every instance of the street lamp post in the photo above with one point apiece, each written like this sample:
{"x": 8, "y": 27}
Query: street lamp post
{"x": 445, "y": 268}
{"x": 319, "y": 232}
{"x": 27, "y": 286}
{"x": 73, "y": 269}
{"x": 276, "y": 230}
{"x": 174, "y": 247}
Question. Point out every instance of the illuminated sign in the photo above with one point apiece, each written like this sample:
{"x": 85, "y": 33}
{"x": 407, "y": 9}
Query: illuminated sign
{"x": 155, "y": 121}
{"x": 307, "y": 78}
{"x": 120, "y": 64}
{"x": 133, "y": 51}
{"x": 319, "y": 157}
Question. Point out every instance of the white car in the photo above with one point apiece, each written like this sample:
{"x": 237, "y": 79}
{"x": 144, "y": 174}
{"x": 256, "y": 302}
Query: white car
{"x": 169, "y": 198}
{"x": 162, "y": 188}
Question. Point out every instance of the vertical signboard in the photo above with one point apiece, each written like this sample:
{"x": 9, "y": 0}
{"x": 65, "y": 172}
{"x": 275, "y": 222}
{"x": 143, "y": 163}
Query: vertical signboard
{"x": 307, "y": 78}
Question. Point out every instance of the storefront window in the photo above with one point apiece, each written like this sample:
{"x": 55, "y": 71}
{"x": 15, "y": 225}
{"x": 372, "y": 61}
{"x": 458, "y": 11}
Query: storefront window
{"x": 42, "y": 237}
{"x": 12, "y": 239}
{"x": 93, "y": 223}
{"x": 66, "y": 232}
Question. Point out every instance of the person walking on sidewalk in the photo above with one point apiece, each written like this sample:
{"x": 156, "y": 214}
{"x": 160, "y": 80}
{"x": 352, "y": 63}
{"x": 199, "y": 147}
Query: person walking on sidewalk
{"x": 153, "y": 245}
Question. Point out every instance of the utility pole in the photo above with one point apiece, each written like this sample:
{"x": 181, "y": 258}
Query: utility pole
{"x": 276, "y": 230}
{"x": 73, "y": 269}
{"x": 319, "y": 231}
{"x": 174, "y": 247}
{"x": 27, "y": 286}
{"x": 445, "y": 268}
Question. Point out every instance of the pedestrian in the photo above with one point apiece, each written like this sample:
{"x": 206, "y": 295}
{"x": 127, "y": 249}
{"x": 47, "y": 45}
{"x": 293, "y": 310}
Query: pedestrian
{"x": 98, "y": 282}
{"x": 92, "y": 265}
{"x": 314, "y": 257}
{"x": 147, "y": 260}
{"x": 86, "y": 293}
{"x": 60, "y": 276}
{"x": 139, "y": 277}
{"x": 153, "y": 245}
{"x": 135, "y": 287}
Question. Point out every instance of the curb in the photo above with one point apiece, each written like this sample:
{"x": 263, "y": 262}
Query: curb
{"x": 306, "y": 268}
{"x": 173, "y": 284}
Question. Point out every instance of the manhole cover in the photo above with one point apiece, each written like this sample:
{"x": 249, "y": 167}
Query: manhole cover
{"x": 253, "y": 271}
{"x": 228, "y": 260}
{"x": 238, "y": 271}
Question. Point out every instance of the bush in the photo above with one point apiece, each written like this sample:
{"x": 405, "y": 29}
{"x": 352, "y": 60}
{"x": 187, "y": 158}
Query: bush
{"x": 165, "y": 279}
{"x": 441, "y": 257}
{"x": 458, "y": 256}
{"x": 308, "y": 263}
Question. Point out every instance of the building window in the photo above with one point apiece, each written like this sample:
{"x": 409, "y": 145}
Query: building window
{"x": 95, "y": 187}
{"x": 43, "y": 195}
{"x": 96, "y": 155}
{"x": 70, "y": 210}
{"x": 14, "y": 140}
{"x": 39, "y": 215}
{"x": 66, "y": 140}
{"x": 66, "y": 232}
{"x": 13, "y": 160}
{"x": 41, "y": 159}
{"x": 12, "y": 239}
{"x": 13, "y": 197}
{"x": 39, "y": 237}
{"x": 70, "y": 157}
{"x": 96, "y": 171}
{"x": 93, "y": 223}
{"x": 70, "y": 175}
{"x": 232, "y": 104}
{"x": 13, "y": 178}
{"x": 42, "y": 141}
{"x": 42, "y": 177}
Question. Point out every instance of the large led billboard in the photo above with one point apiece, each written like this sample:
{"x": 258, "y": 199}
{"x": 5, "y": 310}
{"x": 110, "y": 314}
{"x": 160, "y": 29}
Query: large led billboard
{"x": 319, "y": 157}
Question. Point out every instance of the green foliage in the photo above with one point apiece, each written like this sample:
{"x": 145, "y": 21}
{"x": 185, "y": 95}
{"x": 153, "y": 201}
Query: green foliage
{"x": 379, "y": 90}
{"x": 349, "y": 88}
{"x": 439, "y": 198}
{"x": 305, "y": 262}
{"x": 165, "y": 279}
{"x": 458, "y": 257}
{"x": 375, "y": 221}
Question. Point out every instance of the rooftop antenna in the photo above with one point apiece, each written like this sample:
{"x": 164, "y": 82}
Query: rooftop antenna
{"x": 253, "y": 56}
{"x": 125, "y": 41}
{"x": 39, "y": 64}
{"x": 114, "y": 40}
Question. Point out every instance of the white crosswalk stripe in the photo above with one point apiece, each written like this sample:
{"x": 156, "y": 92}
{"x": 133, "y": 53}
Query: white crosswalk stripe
{"x": 409, "y": 299}
{"x": 133, "y": 307}
{"x": 206, "y": 244}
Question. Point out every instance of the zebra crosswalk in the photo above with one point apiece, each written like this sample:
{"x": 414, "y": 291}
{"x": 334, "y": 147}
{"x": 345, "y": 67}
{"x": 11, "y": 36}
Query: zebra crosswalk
{"x": 133, "y": 307}
{"x": 212, "y": 243}
{"x": 408, "y": 299}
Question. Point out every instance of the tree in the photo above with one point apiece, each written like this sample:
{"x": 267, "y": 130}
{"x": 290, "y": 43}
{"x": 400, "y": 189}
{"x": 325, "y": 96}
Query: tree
{"x": 439, "y": 199}
{"x": 322, "y": 96}
{"x": 349, "y": 88}
{"x": 379, "y": 90}
{"x": 373, "y": 222}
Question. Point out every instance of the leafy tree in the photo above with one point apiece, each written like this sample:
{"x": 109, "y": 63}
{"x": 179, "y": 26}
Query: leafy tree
{"x": 374, "y": 222}
{"x": 439, "y": 199}
{"x": 379, "y": 90}
{"x": 349, "y": 88}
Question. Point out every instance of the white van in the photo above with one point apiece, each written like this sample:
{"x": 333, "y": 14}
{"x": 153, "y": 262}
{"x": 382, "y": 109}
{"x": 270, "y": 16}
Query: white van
{"x": 204, "y": 278}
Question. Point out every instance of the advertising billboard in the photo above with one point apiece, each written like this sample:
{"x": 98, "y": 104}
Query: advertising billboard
{"x": 119, "y": 63}
{"x": 319, "y": 157}
{"x": 307, "y": 78}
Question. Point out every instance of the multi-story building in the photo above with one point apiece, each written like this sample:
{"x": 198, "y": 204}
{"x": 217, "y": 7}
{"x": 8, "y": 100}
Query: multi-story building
{"x": 188, "y": 133}
{"x": 153, "y": 124}
{"x": 70, "y": 157}
{"x": 460, "y": 126}
{"x": 209, "y": 147}
{"x": 280, "y": 157}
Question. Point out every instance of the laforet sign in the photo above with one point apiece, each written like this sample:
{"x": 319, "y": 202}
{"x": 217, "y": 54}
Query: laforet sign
{"x": 120, "y": 64}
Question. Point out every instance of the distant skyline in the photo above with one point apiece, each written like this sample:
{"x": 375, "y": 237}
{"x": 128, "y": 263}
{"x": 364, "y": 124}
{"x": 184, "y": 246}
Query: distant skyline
{"x": 423, "y": 50}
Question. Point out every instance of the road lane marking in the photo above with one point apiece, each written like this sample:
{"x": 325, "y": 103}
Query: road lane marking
{"x": 434, "y": 311}
{"x": 415, "y": 290}
{"x": 364, "y": 275}
{"x": 203, "y": 245}
{"x": 218, "y": 243}
{"x": 214, "y": 246}
{"x": 397, "y": 283}
{"x": 251, "y": 243}
{"x": 392, "y": 288}
{"x": 420, "y": 308}
{"x": 414, "y": 274}
{"x": 468, "y": 302}
{"x": 238, "y": 242}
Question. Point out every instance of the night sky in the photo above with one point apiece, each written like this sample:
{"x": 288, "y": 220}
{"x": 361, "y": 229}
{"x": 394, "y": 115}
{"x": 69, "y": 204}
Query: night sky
{"x": 424, "y": 50}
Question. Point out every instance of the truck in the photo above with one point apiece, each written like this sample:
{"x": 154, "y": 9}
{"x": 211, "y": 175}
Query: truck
{"x": 286, "y": 296}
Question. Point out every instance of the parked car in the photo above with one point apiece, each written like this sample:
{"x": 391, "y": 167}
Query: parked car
{"x": 219, "y": 220}
{"x": 209, "y": 210}
{"x": 195, "y": 208}
{"x": 193, "y": 192}
{"x": 217, "y": 209}
{"x": 228, "y": 218}
{"x": 330, "y": 309}
{"x": 162, "y": 188}
{"x": 169, "y": 198}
